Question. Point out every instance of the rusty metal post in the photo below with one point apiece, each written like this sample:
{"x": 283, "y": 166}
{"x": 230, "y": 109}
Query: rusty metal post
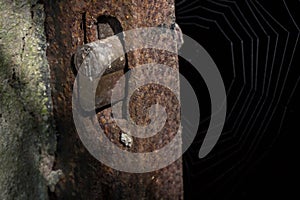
{"x": 69, "y": 25}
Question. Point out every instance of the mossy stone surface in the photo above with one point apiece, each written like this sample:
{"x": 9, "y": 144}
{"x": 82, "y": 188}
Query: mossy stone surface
{"x": 27, "y": 139}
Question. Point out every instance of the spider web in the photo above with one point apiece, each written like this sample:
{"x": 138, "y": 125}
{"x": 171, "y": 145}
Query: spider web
{"x": 254, "y": 49}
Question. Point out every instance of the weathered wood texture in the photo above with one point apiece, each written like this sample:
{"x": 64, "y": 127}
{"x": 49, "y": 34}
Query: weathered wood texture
{"x": 70, "y": 24}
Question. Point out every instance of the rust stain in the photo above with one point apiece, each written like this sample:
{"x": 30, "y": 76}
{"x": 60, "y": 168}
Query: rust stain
{"x": 70, "y": 24}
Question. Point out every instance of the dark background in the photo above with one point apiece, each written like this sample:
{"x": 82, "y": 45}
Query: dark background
{"x": 256, "y": 154}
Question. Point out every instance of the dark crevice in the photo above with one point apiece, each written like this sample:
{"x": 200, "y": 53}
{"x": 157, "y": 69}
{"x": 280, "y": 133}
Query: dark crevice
{"x": 84, "y": 28}
{"x": 23, "y": 48}
{"x": 99, "y": 109}
{"x": 33, "y": 6}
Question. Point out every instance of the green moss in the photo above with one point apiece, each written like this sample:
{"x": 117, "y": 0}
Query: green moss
{"x": 25, "y": 117}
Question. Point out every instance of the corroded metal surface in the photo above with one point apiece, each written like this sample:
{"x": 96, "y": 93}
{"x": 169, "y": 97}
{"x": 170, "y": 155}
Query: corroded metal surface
{"x": 70, "y": 24}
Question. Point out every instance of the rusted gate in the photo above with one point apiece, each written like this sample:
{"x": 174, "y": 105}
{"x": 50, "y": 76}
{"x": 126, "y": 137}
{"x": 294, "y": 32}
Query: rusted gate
{"x": 70, "y": 24}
